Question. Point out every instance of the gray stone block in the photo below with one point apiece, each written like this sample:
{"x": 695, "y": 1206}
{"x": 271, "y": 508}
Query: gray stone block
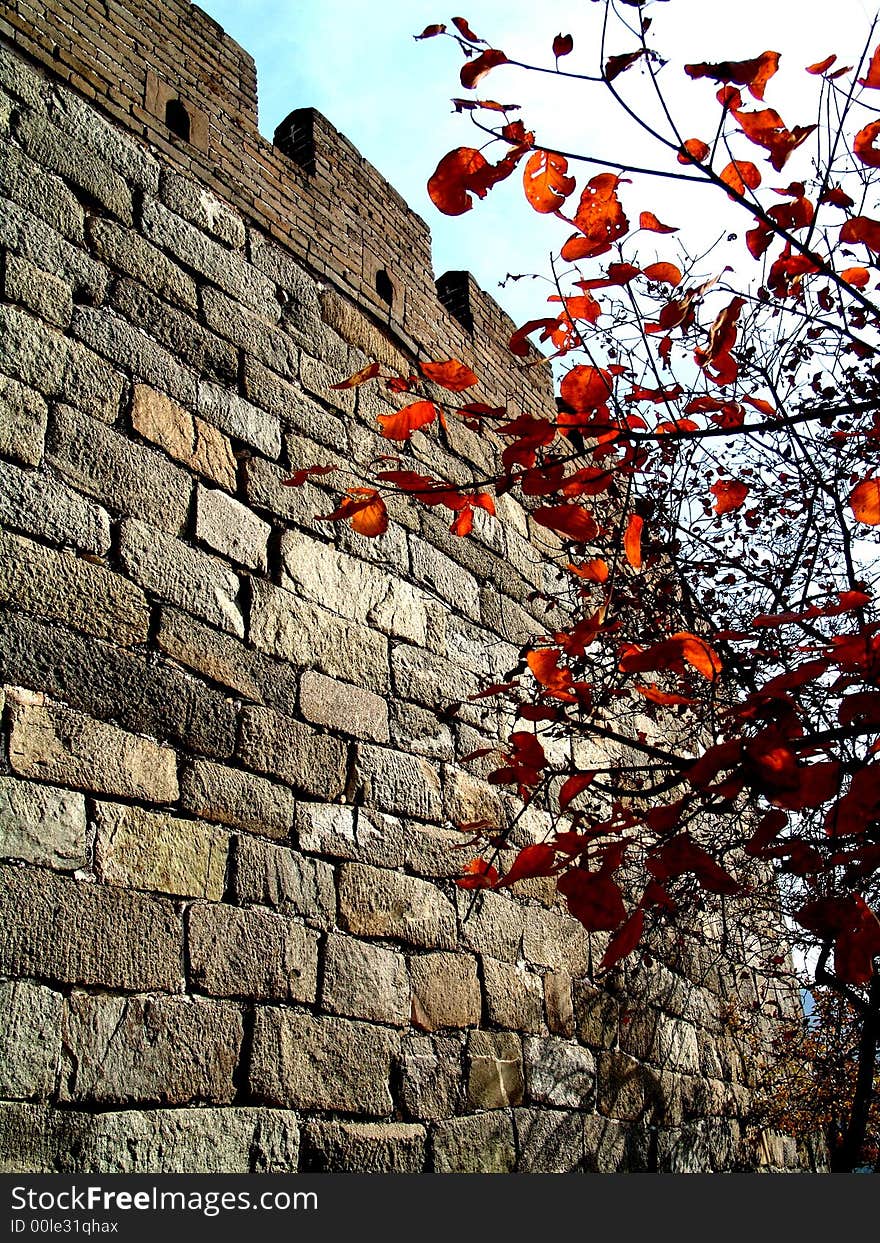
{"x": 252, "y": 954}
{"x": 293, "y": 752}
{"x": 363, "y": 1148}
{"x": 151, "y": 850}
{"x": 446, "y": 991}
{"x": 37, "y": 504}
{"x": 374, "y": 902}
{"x": 495, "y": 1070}
{"x": 230, "y": 796}
{"x": 480, "y": 1144}
{"x": 405, "y": 784}
{"x": 365, "y": 981}
{"x": 230, "y": 528}
{"x": 284, "y": 879}
{"x": 559, "y": 1073}
{"x": 30, "y": 1016}
{"x": 240, "y": 419}
{"x": 23, "y": 418}
{"x": 42, "y": 825}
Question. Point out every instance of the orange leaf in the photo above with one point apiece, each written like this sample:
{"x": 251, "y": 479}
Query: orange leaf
{"x": 595, "y": 571}
{"x": 366, "y": 373}
{"x": 365, "y": 511}
{"x": 545, "y": 182}
{"x": 671, "y": 653}
{"x": 666, "y": 272}
{"x": 753, "y": 73}
{"x": 562, "y": 45}
{"x": 473, "y": 71}
{"x": 855, "y": 276}
{"x": 599, "y": 217}
{"x": 865, "y": 501}
{"x": 821, "y": 65}
{"x": 478, "y": 874}
{"x": 862, "y": 229}
{"x": 739, "y": 174}
{"x": 299, "y": 477}
{"x": 766, "y": 129}
{"x": 632, "y": 541}
{"x": 452, "y": 375}
{"x": 729, "y": 494}
{"x": 544, "y": 664}
{"x": 873, "y": 76}
{"x": 667, "y": 698}
{"x": 863, "y": 145}
{"x": 572, "y": 787}
{"x": 461, "y": 25}
{"x": 615, "y": 65}
{"x": 696, "y": 149}
{"x": 586, "y": 388}
{"x": 647, "y": 220}
{"x": 573, "y": 521}
{"x": 463, "y": 172}
{"x": 430, "y": 31}
{"x": 624, "y": 940}
{"x": 537, "y": 860}
{"x": 402, "y": 423}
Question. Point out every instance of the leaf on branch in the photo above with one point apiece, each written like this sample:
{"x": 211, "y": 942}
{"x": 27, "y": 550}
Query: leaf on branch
{"x": 519, "y": 343}
{"x": 586, "y": 388}
{"x": 694, "y": 148}
{"x": 431, "y": 31}
{"x": 616, "y": 65}
{"x": 632, "y": 541}
{"x": 360, "y": 377}
{"x": 862, "y": 229}
{"x": 473, "y": 71}
{"x": 753, "y": 74}
{"x": 461, "y": 25}
{"x": 667, "y": 273}
{"x": 478, "y": 874}
{"x": 729, "y": 495}
{"x": 716, "y": 355}
{"x": 572, "y": 521}
{"x": 545, "y": 181}
{"x": 574, "y": 786}
{"x": 562, "y": 45}
{"x": 857, "y": 277}
{"x": 537, "y": 860}
{"x": 451, "y": 375}
{"x": 463, "y": 172}
{"x": 664, "y": 698}
{"x": 299, "y": 477}
{"x": 741, "y": 174}
{"x": 593, "y": 898}
{"x": 864, "y": 501}
{"x": 682, "y": 854}
{"x": 402, "y": 423}
{"x": 766, "y": 129}
{"x": 599, "y": 217}
{"x": 364, "y": 509}
{"x": 673, "y": 653}
{"x": 647, "y": 220}
{"x": 821, "y": 65}
{"x": 624, "y": 940}
{"x": 863, "y": 145}
{"x": 872, "y": 78}
{"x": 594, "y": 571}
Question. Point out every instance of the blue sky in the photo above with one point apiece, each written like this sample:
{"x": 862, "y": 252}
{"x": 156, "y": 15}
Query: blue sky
{"x": 356, "y": 61}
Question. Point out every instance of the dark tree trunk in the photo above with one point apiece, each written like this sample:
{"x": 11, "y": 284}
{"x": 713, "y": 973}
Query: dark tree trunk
{"x": 845, "y": 1156}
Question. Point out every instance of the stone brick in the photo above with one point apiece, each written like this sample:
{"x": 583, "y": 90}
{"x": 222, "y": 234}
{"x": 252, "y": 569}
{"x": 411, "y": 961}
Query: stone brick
{"x": 111, "y": 337}
{"x": 55, "y": 744}
{"x": 654, "y": 1037}
{"x": 253, "y": 954}
{"x": 27, "y": 235}
{"x": 283, "y": 879}
{"x": 467, "y": 799}
{"x": 125, "y": 154}
{"x": 37, "y": 504}
{"x": 167, "y": 1051}
{"x": 265, "y": 491}
{"x": 559, "y": 1073}
{"x": 30, "y": 1016}
{"x": 596, "y": 1016}
{"x": 181, "y": 575}
{"x": 495, "y": 1070}
{"x": 374, "y": 902}
{"x": 91, "y": 384}
{"x": 431, "y": 1076}
{"x": 240, "y": 419}
{"x": 289, "y": 403}
{"x": 557, "y": 941}
{"x": 623, "y": 1087}
{"x": 480, "y": 1144}
{"x": 189, "y": 342}
{"x": 405, "y": 784}
{"x": 127, "y": 478}
{"x": 237, "y": 798}
{"x": 433, "y": 681}
{"x": 278, "y": 264}
{"x": 293, "y": 752}
{"x": 318, "y": 375}
{"x": 353, "y": 326}
{"x": 365, "y": 981}
{"x": 446, "y": 992}
{"x": 434, "y": 852}
{"x": 341, "y": 706}
{"x": 148, "y": 850}
{"x": 419, "y": 731}
{"x": 63, "y": 586}
{"x": 313, "y": 638}
{"x": 40, "y": 192}
{"x": 306, "y": 1061}
{"x": 30, "y": 352}
{"x": 42, "y": 825}
{"x": 126, "y": 251}
{"x": 514, "y": 996}
{"x": 491, "y": 924}
{"x": 187, "y": 439}
{"x": 189, "y": 199}
{"x": 348, "y": 833}
{"x": 558, "y": 1003}
{"x": 363, "y": 1148}
{"x": 61, "y": 153}
{"x": 47, "y": 296}
{"x": 24, "y": 82}
{"x": 251, "y": 332}
{"x": 23, "y": 418}
{"x": 62, "y": 930}
{"x": 230, "y": 528}
{"x": 451, "y": 582}
{"x": 550, "y": 1141}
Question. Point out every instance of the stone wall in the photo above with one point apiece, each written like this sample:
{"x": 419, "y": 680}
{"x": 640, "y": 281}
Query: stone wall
{"x": 228, "y": 785}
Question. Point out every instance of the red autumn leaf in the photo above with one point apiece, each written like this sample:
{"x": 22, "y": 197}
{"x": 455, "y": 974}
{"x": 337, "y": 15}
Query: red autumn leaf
{"x": 838, "y": 196}
{"x": 766, "y": 129}
{"x": 594, "y": 571}
{"x": 624, "y": 940}
{"x": 632, "y": 541}
{"x": 666, "y": 698}
{"x": 768, "y": 829}
{"x": 741, "y": 174}
{"x": 562, "y": 45}
{"x": 862, "y": 229}
{"x": 857, "y": 945}
{"x": 572, "y": 787}
{"x": 519, "y": 343}
{"x": 593, "y": 898}
{"x": 681, "y": 854}
{"x": 668, "y": 273}
{"x": 364, "y": 509}
{"x": 544, "y": 664}
{"x": 478, "y": 874}
{"x": 647, "y": 220}
{"x": 821, "y": 65}
{"x": 863, "y": 145}
{"x": 753, "y": 73}
{"x": 545, "y": 181}
{"x": 461, "y": 25}
{"x": 858, "y": 277}
{"x": 872, "y": 78}
{"x": 430, "y": 31}
{"x": 696, "y": 149}
{"x": 865, "y": 502}
{"x": 402, "y": 423}
{"x": 451, "y": 375}
{"x": 716, "y": 355}
{"x": 586, "y": 388}
{"x": 599, "y": 217}
{"x": 618, "y": 274}
{"x": 570, "y": 520}
{"x": 463, "y": 172}
{"x": 366, "y": 373}
{"x": 616, "y": 65}
{"x": 673, "y": 653}
{"x": 299, "y": 477}
{"x": 473, "y": 71}
{"x": 538, "y": 860}
{"x": 730, "y": 494}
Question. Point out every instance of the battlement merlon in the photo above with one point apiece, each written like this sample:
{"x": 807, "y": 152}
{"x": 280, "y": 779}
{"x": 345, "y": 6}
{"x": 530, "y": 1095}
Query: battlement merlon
{"x": 169, "y": 73}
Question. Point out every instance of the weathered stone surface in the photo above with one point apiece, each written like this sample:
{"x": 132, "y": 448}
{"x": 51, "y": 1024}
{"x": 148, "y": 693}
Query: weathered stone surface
{"x": 480, "y": 1144}
{"x": 558, "y": 1073}
{"x": 92, "y": 385}
{"x": 149, "y": 850}
{"x": 42, "y": 825}
{"x": 446, "y": 992}
{"x": 32, "y": 502}
{"x": 54, "y": 744}
{"x": 189, "y": 341}
{"x": 467, "y": 799}
{"x": 60, "y": 929}
{"x": 433, "y": 681}
{"x": 495, "y": 1070}
{"x": 47, "y": 296}
{"x": 252, "y": 332}
{"x": 27, "y": 235}
{"x": 230, "y": 528}
{"x": 596, "y": 1015}
{"x": 126, "y": 251}
{"x": 313, "y": 638}
{"x": 251, "y": 954}
{"x": 433, "y": 852}
{"x": 59, "y": 151}
{"x": 339, "y": 705}
{"x": 230, "y": 796}
{"x": 363, "y": 1148}
{"x": 557, "y": 941}
{"x": 491, "y": 924}
{"x": 365, "y": 981}
{"x": 183, "y": 436}
{"x": 625, "y": 1089}
{"x": 549, "y": 1141}
{"x": 374, "y": 902}
{"x": 431, "y": 1076}
{"x": 558, "y": 1003}
{"x": 167, "y": 1051}
{"x": 293, "y": 752}
{"x": 30, "y": 1017}
{"x": 66, "y": 587}
{"x": 314, "y": 1062}
{"x": 349, "y": 833}
{"x": 188, "y": 199}
{"x": 41, "y": 193}
{"x": 125, "y": 154}
{"x": 110, "y": 336}
{"x": 654, "y": 1037}
{"x": 23, "y": 418}
{"x": 240, "y": 419}
{"x": 514, "y": 996}
{"x": 289, "y": 403}
{"x": 230, "y": 1140}
{"x": 451, "y": 582}
{"x": 283, "y": 879}
{"x": 419, "y": 731}
{"x": 31, "y": 352}
{"x": 127, "y": 478}
{"x": 181, "y": 575}
{"x": 405, "y": 784}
